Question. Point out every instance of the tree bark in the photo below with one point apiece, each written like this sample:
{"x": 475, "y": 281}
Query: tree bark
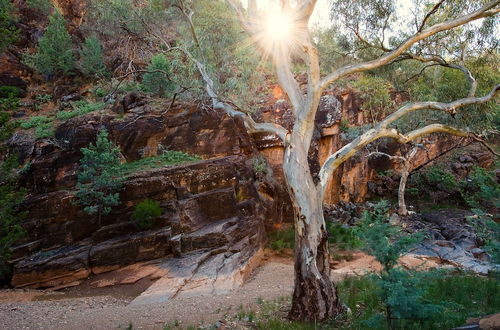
{"x": 315, "y": 297}
{"x": 402, "y": 186}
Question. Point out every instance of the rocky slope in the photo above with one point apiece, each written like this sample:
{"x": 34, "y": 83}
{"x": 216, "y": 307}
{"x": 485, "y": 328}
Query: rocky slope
{"x": 218, "y": 207}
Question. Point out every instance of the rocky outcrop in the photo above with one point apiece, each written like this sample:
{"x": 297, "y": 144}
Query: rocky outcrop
{"x": 340, "y": 119}
{"x": 451, "y": 240}
{"x": 218, "y": 208}
{"x": 142, "y": 133}
{"x": 210, "y": 206}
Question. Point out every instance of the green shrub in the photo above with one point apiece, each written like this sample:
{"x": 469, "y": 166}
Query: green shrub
{"x": 145, "y": 212}
{"x": 80, "y": 108}
{"x": 342, "y": 236}
{"x": 158, "y": 83}
{"x": 488, "y": 233}
{"x": 402, "y": 292}
{"x": 43, "y": 98}
{"x": 55, "y": 51}
{"x": 481, "y": 189}
{"x": 7, "y": 127}
{"x": 45, "y": 6}
{"x": 10, "y": 215}
{"x": 9, "y": 92}
{"x": 8, "y": 30}
{"x": 92, "y": 61}
{"x": 440, "y": 179}
{"x": 170, "y": 157}
{"x": 459, "y": 297}
{"x": 281, "y": 239}
{"x": 375, "y": 93}
{"x": 44, "y": 127}
{"x": 260, "y": 165}
{"x": 98, "y": 177}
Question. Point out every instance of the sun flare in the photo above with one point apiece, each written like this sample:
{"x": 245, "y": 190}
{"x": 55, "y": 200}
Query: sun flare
{"x": 278, "y": 26}
{"x": 277, "y": 33}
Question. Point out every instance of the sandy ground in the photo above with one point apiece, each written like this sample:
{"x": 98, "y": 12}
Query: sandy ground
{"x": 87, "y": 307}
{"x": 44, "y": 310}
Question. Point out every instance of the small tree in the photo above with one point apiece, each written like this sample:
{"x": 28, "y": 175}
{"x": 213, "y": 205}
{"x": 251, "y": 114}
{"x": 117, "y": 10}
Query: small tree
{"x": 8, "y": 30}
{"x": 98, "y": 184}
{"x": 156, "y": 80}
{"x": 92, "y": 64}
{"x": 55, "y": 50}
{"x": 145, "y": 212}
{"x": 10, "y": 198}
{"x": 401, "y": 291}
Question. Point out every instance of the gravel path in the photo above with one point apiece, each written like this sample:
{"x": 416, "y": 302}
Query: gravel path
{"x": 273, "y": 280}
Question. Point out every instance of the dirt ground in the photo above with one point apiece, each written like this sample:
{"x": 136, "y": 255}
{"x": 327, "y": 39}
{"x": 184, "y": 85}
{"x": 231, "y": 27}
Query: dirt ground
{"x": 108, "y": 308}
{"x": 86, "y": 307}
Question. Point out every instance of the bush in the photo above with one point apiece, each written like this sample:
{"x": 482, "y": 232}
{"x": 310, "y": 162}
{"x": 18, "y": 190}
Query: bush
{"x": 44, "y": 6}
{"x": 170, "y": 157}
{"x": 44, "y": 127}
{"x": 401, "y": 292}
{"x": 80, "y": 108}
{"x": 282, "y": 239}
{"x": 92, "y": 64}
{"x": 342, "y": 236}
{"x": 481, "y": 189}
{"x": 8, "y": 30}
{"x": 10, "y": 198}
{"x": 6, "y": 126}
{"x": 98, "y": 177}
{"x": 55, "y": 51}
{"x": 260, "y": 165}
{"x": 145, "y": 212}
{"x": 9, "y": 92}
{"x": 375, "y": 93}
{"x": 158, "y": 83}
{"x": 440, "y": 179}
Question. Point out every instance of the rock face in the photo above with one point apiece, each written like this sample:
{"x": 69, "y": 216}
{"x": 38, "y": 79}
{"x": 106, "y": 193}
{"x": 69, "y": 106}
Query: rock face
{"x": 354, "y": 181}
{"x": 216, "y": 208}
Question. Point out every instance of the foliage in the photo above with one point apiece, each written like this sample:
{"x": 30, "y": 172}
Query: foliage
{"x": 342, "y": 236}
{"x": 235, "y": 65}
{"x": 402, "y": 292}
{"x": 92, "y": 61}
{"x": 8, "y": 30}
{"x": 281, "y": 239}
{"x": 145, "y": 212}
{"x": 98, "y": 183}
{"x": 44, "y": 127}
{"x": 9, "y": 92}
{"x": 375, "y": 94}
{"x": 260, "y": 165}
{"x": 55, "y": 52}
{"x": 169, "y": 157}
{"x": 80, "y": 108}
{"x": 488, "y": 233}
{"x": 464, "y": 296}
{"x": 460, "y": 297}
{"x": 440, "y": 179}
{"x": 6, "y": 125}
{"x": 159, "y": 82}
{"x": 481, "y": 189}
{"x": 382, "y": 240}
{"x": 45, "y": 6}
{"x": 10, "y": 215}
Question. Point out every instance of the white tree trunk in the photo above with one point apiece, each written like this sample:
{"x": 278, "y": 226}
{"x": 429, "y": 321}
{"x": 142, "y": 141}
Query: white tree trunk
{"x": 402, "y": 186}
{"x": 315, "y": 296}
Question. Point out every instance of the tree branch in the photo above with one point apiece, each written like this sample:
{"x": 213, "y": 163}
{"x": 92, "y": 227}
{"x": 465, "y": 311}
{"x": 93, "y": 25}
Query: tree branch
{"x": 429, "y": 14}
{"x": 485, "y": 11}
{"x": 350, "y": 149}
{"x": 250, "y": 124}
{"x": 447, "y": 107}
{"x": 382, "y": 130}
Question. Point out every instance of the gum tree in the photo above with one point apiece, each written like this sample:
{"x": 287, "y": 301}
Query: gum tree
{"x": 285, "y": 38}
